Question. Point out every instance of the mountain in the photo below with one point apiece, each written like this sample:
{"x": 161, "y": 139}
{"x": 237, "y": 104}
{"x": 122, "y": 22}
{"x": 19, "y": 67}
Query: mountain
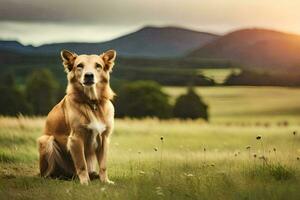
{"x": 254, "y": 48}
{"x": 153, "y": 42}
{"x": 15, "y": 46}
{"x": 146, "y": 42}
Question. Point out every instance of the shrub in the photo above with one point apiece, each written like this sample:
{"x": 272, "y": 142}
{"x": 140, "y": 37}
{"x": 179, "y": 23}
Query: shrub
{"x": 142, "y": 99}
{"x": 248, "y": 77}
{"x": 190, "y": 106}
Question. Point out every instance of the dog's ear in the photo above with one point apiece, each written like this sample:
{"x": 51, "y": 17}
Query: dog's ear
{"x": 109, "y": 59}
{"x": 68, "y": 58}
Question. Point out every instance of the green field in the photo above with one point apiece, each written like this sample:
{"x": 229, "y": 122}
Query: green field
{"x": 248, "y": 104}
{"x": 219, "y": 75}
{"x": 196, "y": 160}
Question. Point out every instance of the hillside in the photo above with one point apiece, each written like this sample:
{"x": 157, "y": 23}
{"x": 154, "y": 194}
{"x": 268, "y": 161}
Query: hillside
{"x": 254, "y": 48}
{"x": 149, "y": 41}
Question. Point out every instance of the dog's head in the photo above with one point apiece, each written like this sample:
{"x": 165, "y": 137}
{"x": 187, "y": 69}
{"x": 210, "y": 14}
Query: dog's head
{"x": 88, "y": 71}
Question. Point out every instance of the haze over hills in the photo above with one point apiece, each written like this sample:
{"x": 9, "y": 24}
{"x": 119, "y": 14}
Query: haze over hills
{"x": 249, "y": 48}
{"x": 254, "y": 48}
{"x": 149, "y": 41}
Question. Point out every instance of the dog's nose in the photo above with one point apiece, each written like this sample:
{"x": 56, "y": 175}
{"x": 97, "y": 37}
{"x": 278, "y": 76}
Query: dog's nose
{"x": 89, "y": 78}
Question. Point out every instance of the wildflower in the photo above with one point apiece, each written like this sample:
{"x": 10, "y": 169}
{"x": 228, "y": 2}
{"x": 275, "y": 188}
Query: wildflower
{"x": 141, "y": 172}
{"x": 204, "y": 149}
{"x": 266, "y": 124}
{"x": 254, "y": 155}
{"x": 294, "y": 133}
{"x": 162, "y": 138}
{"x": 274, "y": 149}
{"x": 68, "y": 191}
{"x": 155, "y": 149}
{"x": 285, "y": 123}
{"x": 103, "y": 189}
{"x": 212, "y": 165}
{"x": 298, "y": 158}
{"x": 159, "y": 191}
{"x": 263, "y": 158}
{"x": 188, "y": 175}
{"x": 258, "y": 137}
{"x": 248, "y": 147}
{"x": 235, "y": 154}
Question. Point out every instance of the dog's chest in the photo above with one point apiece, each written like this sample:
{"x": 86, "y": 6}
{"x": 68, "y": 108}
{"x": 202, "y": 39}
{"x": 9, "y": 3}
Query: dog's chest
{"x": 97, "y": 127}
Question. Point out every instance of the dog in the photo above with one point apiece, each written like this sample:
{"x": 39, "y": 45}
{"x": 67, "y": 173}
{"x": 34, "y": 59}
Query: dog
{"x": 77, "y": 129}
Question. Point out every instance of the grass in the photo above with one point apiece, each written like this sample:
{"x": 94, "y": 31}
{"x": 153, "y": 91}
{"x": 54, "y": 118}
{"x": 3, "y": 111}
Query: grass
{"x": 219, "y": 75}
{"x": 248, "y": 104}
{"x": 226, "y": 169}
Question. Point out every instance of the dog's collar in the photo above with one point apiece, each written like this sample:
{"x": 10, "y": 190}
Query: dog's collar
{"x": 93, "y": 104}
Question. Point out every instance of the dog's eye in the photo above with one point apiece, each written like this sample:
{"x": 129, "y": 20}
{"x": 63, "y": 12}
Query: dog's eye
{"x": 80, "y": 65}
{"x": 98, "y": 66}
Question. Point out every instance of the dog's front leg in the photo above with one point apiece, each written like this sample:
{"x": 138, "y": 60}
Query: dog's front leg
{"x": 101, "y": 153}
{"x": 76, "y": 147}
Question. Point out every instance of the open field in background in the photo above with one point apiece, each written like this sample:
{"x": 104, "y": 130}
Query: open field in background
{"x": 196, "y": 160}
{"x": 219, "y": 75}
{"x": 248, "y": 104}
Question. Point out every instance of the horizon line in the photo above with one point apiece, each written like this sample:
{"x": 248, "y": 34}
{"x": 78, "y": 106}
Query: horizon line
{"x": 158, "y": 27}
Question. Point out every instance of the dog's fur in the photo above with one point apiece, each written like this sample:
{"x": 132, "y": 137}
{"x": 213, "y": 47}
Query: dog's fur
{"x": 77, "y": 129}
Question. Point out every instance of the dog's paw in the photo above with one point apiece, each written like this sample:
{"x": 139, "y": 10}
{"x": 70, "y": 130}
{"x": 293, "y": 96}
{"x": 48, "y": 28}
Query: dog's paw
{"x": 84, "y": 180}
{"x": 109, "y": 182}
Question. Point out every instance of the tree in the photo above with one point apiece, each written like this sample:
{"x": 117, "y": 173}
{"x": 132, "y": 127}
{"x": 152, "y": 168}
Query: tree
{"x": 190, "y": 106}
{"x": 141, "y": 99}
{"x": 12, "y": 101}
{"x": 41, "y": 91}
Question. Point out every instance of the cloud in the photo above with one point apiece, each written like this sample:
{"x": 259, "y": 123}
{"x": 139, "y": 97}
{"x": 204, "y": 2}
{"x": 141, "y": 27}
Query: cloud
{"x": 88, "y": 11}
{"x": 137, "y": 12}
{"x": 51, "y": 11}
{"x": 36, "y": 33}
{"x": 127, "y": 11}
{"x": 41, "y": 20}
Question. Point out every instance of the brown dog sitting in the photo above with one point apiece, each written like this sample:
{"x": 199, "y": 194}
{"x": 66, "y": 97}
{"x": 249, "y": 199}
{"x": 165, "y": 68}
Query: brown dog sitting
{"x": 78, "y": 128}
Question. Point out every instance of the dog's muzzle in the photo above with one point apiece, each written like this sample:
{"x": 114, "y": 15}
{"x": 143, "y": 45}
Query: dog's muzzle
{"x": 89, "y": 79}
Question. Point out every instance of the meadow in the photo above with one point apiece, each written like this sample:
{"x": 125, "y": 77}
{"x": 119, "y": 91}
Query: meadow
{"x": 219, "y": 75}
{"x": 250, "y": 149}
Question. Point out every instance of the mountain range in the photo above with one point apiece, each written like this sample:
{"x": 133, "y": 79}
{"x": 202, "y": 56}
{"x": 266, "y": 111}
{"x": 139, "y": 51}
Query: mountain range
{"x": 254, "y": 48}
{"x": 260, "y": 48}
{"x": 152, "y": 42}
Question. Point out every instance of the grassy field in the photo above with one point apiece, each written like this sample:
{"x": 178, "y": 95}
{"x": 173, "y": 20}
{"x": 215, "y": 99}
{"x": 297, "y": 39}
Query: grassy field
{"x": 248, "y": 104}
{"x": 218, "y": 75}
{"x": 195, "y": 160}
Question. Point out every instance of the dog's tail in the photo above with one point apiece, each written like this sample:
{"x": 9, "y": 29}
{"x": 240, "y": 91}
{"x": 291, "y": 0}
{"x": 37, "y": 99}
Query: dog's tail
{"x": 54, "y": 162}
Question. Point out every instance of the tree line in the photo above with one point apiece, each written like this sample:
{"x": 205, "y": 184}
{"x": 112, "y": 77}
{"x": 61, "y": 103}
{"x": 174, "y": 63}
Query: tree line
{"x": 137, "y": 99}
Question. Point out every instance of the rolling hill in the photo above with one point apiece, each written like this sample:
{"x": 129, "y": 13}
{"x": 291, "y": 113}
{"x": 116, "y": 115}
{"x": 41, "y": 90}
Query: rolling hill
{"x": 153, "y": 42}
{"x": 173, "y": 55}
{"x": 259, "y": 48}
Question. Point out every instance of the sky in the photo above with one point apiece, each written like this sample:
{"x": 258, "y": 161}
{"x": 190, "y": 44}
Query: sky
{"x": 38, "y": 22}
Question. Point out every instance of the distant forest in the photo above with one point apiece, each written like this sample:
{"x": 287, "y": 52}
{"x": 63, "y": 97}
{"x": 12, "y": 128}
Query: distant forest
{"x": 165, "y": 71}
